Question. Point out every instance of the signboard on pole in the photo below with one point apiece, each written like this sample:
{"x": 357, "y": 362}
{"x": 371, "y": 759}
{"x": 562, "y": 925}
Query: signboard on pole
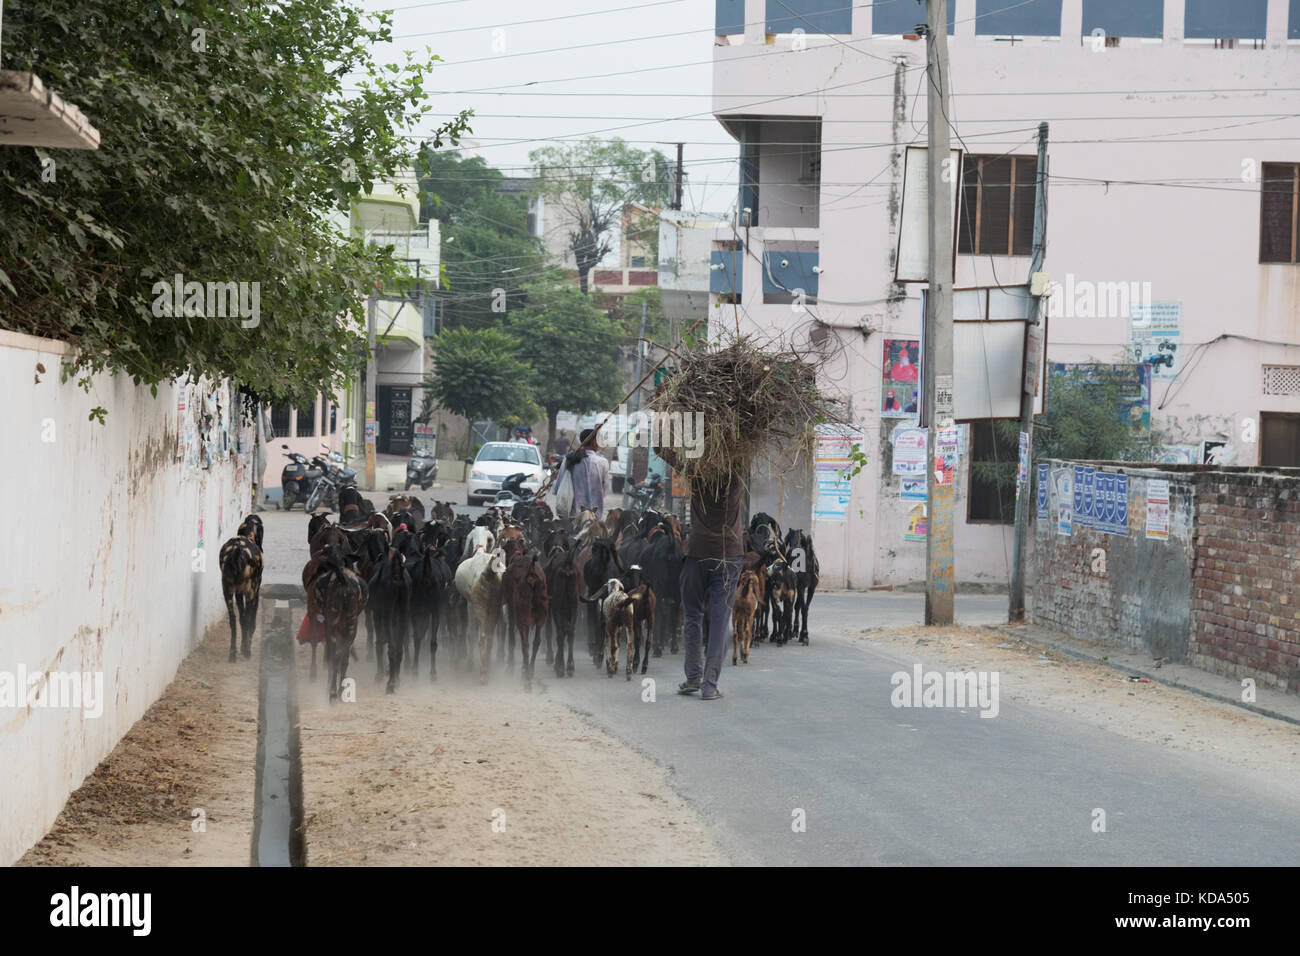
{"x": 912, "y": 264}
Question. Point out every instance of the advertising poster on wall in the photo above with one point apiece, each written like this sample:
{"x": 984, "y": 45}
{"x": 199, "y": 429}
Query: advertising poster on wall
{"x": 912, "y": 489}
{"x": 1212, "y": 452}
{"x": 945, "y": 455}
{"x": 1157, "y": 509}
{"x": 832, "y": 459}
{"x": 1063, "y": 493}
{"x": 1110, "y": 503}
{"x": 909, "y": 452}
{"x": 1084, "y": 491}
{"x": 1155, "y": 334}
{"x": 900, "y": 378}
{"x": 916, "y": 524}
{"x": 1042, "y": 492}
{"x": 1022, "y": 469}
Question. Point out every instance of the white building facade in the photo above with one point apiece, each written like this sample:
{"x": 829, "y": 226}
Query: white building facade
{"x": 1165, "y": 116}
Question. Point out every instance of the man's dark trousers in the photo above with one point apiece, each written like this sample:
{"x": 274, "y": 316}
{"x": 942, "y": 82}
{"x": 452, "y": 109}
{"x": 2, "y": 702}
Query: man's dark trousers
{"x": 707, "y": 584}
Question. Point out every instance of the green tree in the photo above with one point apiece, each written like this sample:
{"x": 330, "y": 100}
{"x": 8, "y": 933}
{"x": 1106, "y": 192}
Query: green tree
{"x": 591, "y": 181}
{"x": 487, "y": 251}
{"x": 228, "y": 141}
{"x": 625, "y": 312}
{"x": 476, "y": 373}
{"x": 571, "y": 346}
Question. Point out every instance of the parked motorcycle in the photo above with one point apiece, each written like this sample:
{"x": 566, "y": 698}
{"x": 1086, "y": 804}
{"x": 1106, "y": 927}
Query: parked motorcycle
{"x": 512, "y": 492}
{"x": 421, "y": 470}
{"x": 335, "y": 475}
{"x": 645, "y": 494}
{"x": 298, "y": 478}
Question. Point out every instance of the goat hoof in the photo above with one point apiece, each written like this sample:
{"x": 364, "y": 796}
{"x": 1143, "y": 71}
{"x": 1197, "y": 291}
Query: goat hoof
{"x": 233, "y": 657}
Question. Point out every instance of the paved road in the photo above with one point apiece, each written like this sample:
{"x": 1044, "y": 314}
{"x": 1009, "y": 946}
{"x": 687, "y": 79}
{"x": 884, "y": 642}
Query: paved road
{"x": 813, "y": 729}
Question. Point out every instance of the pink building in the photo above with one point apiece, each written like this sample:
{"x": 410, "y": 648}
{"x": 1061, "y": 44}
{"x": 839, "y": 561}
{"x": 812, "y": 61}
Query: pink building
{"x": 1174, "y": 185}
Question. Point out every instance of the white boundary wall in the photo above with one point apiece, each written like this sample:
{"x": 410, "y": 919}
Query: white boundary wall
{"x": 96, "y": 571}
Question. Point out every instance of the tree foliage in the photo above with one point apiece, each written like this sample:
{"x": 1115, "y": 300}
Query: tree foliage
{"x": 476, "y": 373}
{"x": 625, "y": 312}
{"x": 228, "y": 141}
{"x": 591, "y": 181}
{"x": 570, "y": 345}
{"x": 486, "y": 246}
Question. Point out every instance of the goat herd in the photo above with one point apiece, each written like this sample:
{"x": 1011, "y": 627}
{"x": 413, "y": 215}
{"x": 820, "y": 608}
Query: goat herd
{"x": 409, "y": 575}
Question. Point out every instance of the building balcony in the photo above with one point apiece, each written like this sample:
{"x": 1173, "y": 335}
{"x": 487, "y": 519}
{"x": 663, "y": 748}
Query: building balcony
{"x": 399, "y": 325}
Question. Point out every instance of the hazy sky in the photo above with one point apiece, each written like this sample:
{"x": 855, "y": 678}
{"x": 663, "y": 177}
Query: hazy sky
{"x": 531, "y": 83}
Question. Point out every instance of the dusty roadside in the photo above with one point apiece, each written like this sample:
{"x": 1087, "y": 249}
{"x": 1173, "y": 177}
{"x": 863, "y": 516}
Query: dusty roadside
{"x": 1103, "y": 697}
{"x": 193, "y": 749}
{"x": 454, "y": 773}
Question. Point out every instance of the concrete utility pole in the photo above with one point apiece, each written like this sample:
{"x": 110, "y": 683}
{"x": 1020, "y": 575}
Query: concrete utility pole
{"x": 1024, "y": 504}
{"x": 624, "y": 448}
{"x": 368, "y": 413}
{"x": 677, "y": 197}
{"x": 938, "y": 325}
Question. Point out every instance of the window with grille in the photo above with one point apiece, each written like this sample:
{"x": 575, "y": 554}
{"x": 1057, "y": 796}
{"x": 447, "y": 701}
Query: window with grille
{"x": 1278, "y": 208}
{"x": 307, "y": 421}
{"x": 1282, "y": 379}
{"x": 280, "y": 420}
{"x": 997, "y": 214}
{"x": 991, "y": 494}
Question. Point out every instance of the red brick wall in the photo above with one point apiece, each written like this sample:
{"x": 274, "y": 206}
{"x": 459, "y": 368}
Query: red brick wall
{"x": 1221, "y": 593}
{"x": 1246, "y": 580}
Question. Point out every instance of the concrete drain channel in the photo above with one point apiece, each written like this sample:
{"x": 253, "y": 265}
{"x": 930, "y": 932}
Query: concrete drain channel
{"x": 278, "y": 838}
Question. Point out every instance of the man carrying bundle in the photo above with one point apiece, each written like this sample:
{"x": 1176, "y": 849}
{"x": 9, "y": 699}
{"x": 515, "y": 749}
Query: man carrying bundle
{"x": 730, "y": 404}
{"x": 588, "y": 470}
{"x": 710, "y": 573}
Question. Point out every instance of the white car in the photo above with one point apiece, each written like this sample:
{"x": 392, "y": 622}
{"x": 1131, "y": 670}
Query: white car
{"x": 498, "y": 460}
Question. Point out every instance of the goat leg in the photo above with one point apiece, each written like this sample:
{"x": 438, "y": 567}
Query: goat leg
{"x": 230, "y": 613}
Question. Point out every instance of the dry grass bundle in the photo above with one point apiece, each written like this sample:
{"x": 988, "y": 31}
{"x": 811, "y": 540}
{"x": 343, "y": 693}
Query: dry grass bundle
{"x": 751, "y": 400}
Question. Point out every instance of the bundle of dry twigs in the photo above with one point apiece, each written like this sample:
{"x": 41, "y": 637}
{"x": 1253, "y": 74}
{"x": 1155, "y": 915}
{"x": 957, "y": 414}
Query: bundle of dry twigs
{"x": 752, "y": 401}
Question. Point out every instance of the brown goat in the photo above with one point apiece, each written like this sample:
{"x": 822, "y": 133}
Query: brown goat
{"x": 742, "y": 615}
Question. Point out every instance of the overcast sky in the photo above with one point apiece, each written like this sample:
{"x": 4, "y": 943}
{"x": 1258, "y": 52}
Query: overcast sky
{"x": 535, "y": 98}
